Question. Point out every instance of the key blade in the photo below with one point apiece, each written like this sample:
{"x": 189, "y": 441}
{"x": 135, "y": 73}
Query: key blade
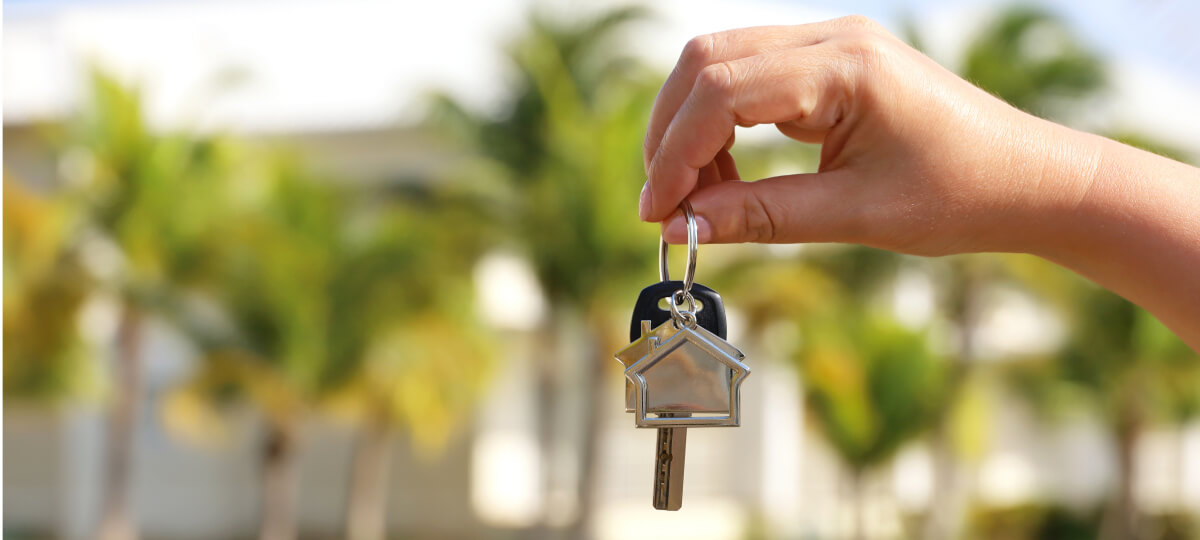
{"x": 669, "y": 459}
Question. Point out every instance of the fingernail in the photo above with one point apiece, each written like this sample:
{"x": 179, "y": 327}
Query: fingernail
{"x": 704, "y": 230}
{"x": 676, "y": 230}
{"x": 644, "y": 202}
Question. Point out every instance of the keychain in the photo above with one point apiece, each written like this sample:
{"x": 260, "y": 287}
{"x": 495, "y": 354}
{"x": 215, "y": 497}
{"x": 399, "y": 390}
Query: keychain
{"x": 679, "y": 370}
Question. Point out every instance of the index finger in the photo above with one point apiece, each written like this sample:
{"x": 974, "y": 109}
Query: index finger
{"x": 811, "y": 87}
{"x": 703, "y": 51}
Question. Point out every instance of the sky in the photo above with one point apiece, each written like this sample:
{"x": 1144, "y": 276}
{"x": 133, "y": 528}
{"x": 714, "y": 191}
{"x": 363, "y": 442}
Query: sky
{"x": 1159, "y": 33}
{"x": 307, "y": 65}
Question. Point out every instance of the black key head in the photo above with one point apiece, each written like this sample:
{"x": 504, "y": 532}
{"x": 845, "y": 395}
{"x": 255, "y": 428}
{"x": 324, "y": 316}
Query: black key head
{"x": 710, "y": 310}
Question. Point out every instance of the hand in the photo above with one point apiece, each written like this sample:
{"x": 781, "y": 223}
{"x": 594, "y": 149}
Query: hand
{"x": 913, "y": 158}
{"x": 916, "y": 160}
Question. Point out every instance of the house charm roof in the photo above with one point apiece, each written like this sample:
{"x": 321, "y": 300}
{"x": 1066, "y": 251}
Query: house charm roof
{"x": 638, "y": 350}
{"x": 685, "y": 377}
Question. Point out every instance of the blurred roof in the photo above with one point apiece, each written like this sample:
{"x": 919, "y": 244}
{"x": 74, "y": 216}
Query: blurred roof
{"x": 304, "y": 66}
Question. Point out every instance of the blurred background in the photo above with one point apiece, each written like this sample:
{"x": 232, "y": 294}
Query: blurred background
{"x": 357, "y": 270}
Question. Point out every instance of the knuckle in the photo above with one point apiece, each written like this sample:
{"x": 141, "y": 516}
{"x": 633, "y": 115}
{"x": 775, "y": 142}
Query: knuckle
{"x": 867, "y": 49}
{"x": 860, "y": 22}
{"x": 698, "y": 52}
{"x": 652, "y": 169}
{"x": 864, "y": 42}
{"x": 716, "y": 79}
{"x": 759, "y": 225}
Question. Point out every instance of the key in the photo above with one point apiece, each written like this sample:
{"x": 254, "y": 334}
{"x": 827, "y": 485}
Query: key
{"x": 671, "y": 443}
{"x": 679, "y": 370}
{"x": 671, "y": 449}
{"x": 693, "y": 371}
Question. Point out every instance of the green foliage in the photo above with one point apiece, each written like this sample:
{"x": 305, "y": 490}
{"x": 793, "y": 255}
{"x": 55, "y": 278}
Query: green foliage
{"x": 564, "y": 158}
{"x": 1119, "y": 360}
{"x": 1153, "y": 145}
{"x": 1175, "y": 368}
{"x": 45, "y": 286}
{"x": 314, "y": 276}
{"x": 1035, "y": 522}
{"x": 306, "y": 275}
{"x": 156, "y": 196}
{"x": 1050, "y": 522}
{"x": 424, "y": 375}
{"x": 871, "y": 385}
{"x": 277, "y": 268}
{"x": 151, "y": 197}
{"x": 1030, "y": 59}
{"x": 1117, "y": 348}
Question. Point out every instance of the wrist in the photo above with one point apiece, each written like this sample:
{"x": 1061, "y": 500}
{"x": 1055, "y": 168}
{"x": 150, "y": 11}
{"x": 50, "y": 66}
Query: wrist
{"x": 1058, "y": 174}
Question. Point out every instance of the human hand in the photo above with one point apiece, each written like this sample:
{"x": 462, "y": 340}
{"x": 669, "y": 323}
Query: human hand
{"x": 916, "y": 160}
{"x": 913, "y": 158}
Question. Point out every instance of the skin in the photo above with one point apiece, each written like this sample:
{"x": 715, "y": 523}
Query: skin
{"x": 915, "y": 160}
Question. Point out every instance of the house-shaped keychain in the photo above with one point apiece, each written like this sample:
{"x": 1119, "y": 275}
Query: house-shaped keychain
{"x": 638, "y": 350}
{"x": 684, "y": 377}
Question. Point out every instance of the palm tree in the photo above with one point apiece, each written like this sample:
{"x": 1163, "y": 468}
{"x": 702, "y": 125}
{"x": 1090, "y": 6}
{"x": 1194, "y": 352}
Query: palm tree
{"x": 356, "y": 300}
{"x": 425, "y": 358}
{"x": 1033, "y": 61}
{"x": 283, "y": 272}
{"x": 149, "y": 197}
{"x": 45, "y": 285}
{"x": 422, "y": 375}
{"x": 1029, "y": 58}
{"x": 565, "y": 157}
{"x": 274, "y": 273}
{"x": 871, "y": 386}
{"x": 188, "y": 214}
{"x": 1120, "y": 361}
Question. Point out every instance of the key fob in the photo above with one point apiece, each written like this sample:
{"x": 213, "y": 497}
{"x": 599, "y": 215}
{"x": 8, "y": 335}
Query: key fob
{"x": 710, "y": 315}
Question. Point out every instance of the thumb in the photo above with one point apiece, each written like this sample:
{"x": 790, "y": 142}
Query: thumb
{"x": 816, "y": 207}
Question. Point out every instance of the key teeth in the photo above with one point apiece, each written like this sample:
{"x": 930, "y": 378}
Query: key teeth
{"x": 669, "y": 460}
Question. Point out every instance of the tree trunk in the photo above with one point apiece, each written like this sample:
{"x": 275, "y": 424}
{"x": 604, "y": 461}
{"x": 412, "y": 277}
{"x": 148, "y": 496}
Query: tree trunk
{"x": 117, "y": 522}
{"x": 279, "y": 482}
{"x": 859, "y": 502}
{"x": 586, "y": 489}
{"x": 546, "y": 377}
{"x": 1123, "y": 516}
{"x": 1181, "y": 465}
{"x": 944, "y": 516}
{"x": 366, "y": 510}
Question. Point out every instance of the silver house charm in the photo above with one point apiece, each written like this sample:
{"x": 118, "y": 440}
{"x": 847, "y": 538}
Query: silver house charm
{"x": 638, "y": 350}
{"x": 691, "y": 379}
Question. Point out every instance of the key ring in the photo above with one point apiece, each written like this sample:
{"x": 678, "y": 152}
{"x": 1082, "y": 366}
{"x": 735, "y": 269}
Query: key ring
{"x": 686, "y": 317}
{"x": 689, "y": 273}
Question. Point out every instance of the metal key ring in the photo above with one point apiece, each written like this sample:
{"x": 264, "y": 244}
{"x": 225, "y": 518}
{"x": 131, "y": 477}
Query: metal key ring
{"x": 685, "y": 317}
{"x": 689, "y": 273}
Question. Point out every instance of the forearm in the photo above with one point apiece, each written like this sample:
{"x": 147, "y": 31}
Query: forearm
{"x": 1135, "y": 229}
